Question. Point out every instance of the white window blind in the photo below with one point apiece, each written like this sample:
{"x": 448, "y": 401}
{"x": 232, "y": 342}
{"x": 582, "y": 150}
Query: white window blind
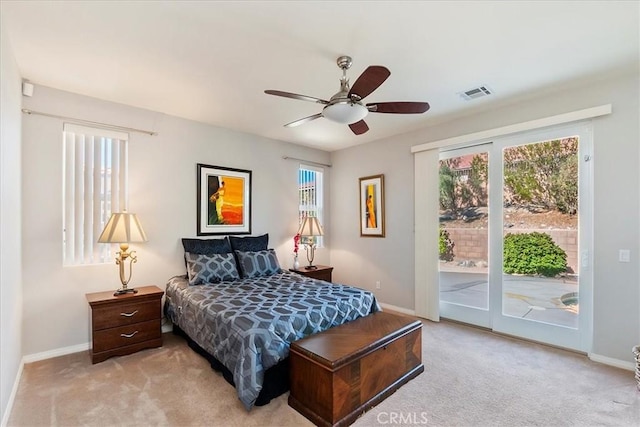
{"x": 310, "y": 191}
{"x": 94, "y": 185}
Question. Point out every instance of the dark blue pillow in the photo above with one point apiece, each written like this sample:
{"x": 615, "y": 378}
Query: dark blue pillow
{"x": 260, "y": 263}
{"x": 249, "y": 244}
{"x": 203, "y": 269}
{"x": 206, "y": 246}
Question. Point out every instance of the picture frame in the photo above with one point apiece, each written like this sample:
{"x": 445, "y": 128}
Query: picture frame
{"x": 224, "y": 200}
{"x": 372, "y": 206}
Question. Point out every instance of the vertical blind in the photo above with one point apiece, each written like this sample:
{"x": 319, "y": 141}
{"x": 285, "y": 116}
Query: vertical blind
{"x": 426, "y": 217}
{"x": 310, "y": 194}
{"x": 94, "y": 185}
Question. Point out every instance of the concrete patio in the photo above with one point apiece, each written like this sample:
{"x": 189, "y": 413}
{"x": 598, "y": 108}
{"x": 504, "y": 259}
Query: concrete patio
{"x": 533, "y": 298}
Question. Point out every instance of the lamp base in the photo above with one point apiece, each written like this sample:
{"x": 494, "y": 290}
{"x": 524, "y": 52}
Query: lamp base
{"x": 311, "y": 267}
{"x": 123, "y": 291}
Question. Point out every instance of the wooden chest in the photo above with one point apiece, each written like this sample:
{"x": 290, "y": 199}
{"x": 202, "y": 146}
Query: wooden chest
{"x": 126, "y": 323}
{"x": 338, "y": 374}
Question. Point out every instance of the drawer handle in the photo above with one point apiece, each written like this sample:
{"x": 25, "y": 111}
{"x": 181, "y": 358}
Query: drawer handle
{"x": 129, "y": 314}
{"x": 128, "y": 335}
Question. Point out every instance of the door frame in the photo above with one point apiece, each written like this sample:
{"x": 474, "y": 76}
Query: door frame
{"x": 467, "y": 314}
{"x": 576, "y": 339}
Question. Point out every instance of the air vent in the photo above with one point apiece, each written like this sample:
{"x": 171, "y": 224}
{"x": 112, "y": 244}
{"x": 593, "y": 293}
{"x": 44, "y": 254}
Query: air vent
{"x": 476, "y": 92}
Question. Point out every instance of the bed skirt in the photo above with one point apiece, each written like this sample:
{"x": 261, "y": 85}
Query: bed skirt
{"x": 276, "y": 378}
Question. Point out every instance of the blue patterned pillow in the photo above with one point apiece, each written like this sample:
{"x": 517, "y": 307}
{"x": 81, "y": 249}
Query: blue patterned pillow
{"x": 249, "y": 243}
{"x": 260, "y": 263}
{"x": 202, "y": 269}
{"x": 207, "y": 246}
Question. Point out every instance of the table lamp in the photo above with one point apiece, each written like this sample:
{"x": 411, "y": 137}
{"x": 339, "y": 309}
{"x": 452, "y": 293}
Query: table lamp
{"x": 123, "y": 228}
{"x": 309, "y": 229}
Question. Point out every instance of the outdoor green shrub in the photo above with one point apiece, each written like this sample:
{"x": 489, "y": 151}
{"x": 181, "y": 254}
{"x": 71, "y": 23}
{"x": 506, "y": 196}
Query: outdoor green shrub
{"x": 543, "y": 174}
{"x": 447, "y": 187}
{"x": 458, "y": 194}
{"x": 533, "y": 253}
{"x": 445, "y": 246}
{"x": 564, "y": 186}
{"x": 478, "y": 177}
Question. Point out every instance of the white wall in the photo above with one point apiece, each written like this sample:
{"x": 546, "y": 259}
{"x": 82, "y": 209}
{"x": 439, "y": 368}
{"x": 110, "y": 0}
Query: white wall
{"x": 163, "y": 193}
{"x": 362, "y": 261}
{"x": 10, "y": 239}
{"x": 162, "y": 177}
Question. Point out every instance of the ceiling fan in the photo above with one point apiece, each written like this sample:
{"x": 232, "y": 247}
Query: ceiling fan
{"x": 347, "y": 107}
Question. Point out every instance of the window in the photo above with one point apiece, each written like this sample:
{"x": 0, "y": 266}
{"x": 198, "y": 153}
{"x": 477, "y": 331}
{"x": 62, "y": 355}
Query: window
{"x": 310, "y": 194}
{"x": 94, "y": 185}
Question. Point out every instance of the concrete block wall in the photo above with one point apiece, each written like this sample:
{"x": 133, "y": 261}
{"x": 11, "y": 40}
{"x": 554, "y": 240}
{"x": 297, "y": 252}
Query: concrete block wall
{"x": 472, "y": 244}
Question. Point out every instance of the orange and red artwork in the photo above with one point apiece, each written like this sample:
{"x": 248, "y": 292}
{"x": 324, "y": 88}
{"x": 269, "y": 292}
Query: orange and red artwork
{"x": 224, "y": 197}
{"x": 372, "y": 206}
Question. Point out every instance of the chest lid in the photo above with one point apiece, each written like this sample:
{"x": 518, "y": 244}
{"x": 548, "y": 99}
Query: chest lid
{"x": 343, "y": 344}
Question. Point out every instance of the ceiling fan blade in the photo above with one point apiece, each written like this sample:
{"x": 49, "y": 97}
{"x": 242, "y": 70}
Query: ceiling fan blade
{"x": 304, "y": 120}
{"x": 359, "y": 127}
{"x": 295, "y": 96}
{"x": 399, "y": 107}
{"x": 369, "y": 81}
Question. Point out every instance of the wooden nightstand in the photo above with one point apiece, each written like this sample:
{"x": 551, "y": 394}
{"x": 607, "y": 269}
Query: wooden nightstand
{"x": 126, "y": 323}
{"x": 323, "y": 272}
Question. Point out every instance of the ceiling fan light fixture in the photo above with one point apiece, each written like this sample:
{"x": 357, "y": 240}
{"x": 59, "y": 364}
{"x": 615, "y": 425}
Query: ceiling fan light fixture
{"x": 345, "y": 112}
{"x": 347, "y": 107}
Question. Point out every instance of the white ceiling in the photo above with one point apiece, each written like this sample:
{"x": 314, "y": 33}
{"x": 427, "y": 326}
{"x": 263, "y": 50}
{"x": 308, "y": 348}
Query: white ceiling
{"x": 211, "y": 61}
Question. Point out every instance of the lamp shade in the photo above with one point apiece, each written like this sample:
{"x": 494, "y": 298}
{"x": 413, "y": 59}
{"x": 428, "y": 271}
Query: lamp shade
{"x": 310, "y": 227}
{"x": 122, "y": 227}
{"x": 345, "y": 112}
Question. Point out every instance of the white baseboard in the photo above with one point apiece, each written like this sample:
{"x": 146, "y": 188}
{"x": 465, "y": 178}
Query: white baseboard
{"x": 398, "y": 309}
{"x": 12, "y": 396}
{"x": 622, "y": 364}
{"x": 36, "y": 357}
{"x": 617, "y": 363}
{"x": 30, "y": 358}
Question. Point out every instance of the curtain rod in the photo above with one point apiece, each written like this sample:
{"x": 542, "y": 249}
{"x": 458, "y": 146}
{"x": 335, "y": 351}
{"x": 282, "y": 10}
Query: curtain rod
{"x": 306, "y": 161}
{"x": 89, "y": 122}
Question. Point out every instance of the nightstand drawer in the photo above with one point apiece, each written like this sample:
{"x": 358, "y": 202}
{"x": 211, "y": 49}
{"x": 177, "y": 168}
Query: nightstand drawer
{"x": 321, "y": 272}
{"x": 324, "y": 274}
{"x": 124, "y": 324}
{"x": 119, "y": 315}
{"x": 126, "y": 335}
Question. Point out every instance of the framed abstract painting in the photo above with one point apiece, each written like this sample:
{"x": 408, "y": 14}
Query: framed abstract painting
{"x": 224, "y": 200}
{"x": 372, "y": 206}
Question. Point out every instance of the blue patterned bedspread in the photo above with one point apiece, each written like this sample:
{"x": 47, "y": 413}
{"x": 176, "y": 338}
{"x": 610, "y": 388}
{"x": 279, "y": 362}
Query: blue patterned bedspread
{"x": 248, "y": 324}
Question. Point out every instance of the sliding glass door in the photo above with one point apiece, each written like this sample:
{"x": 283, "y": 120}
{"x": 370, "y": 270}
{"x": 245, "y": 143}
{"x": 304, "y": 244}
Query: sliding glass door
{"x": 515, "y": 240}
{"x": 463, "y": 247}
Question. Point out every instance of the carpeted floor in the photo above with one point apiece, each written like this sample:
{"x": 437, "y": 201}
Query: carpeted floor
{"x": 471, "y": 378}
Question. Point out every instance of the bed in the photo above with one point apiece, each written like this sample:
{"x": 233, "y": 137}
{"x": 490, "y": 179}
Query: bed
{"x": 245, "y": 323}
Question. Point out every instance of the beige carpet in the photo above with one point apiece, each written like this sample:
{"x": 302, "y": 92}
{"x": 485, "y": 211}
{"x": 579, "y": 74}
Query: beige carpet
{"x": 471, "y": 378}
